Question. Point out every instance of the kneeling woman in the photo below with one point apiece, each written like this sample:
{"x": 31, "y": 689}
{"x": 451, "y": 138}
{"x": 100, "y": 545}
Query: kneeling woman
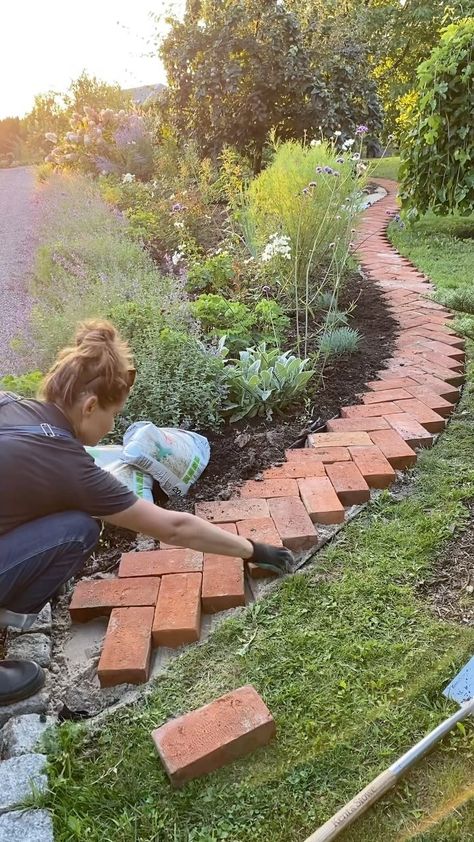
{"x": 52, "y": 495}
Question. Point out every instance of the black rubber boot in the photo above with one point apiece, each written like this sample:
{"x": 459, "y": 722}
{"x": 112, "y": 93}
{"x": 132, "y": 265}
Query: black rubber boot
{"x": 19, "y": 680}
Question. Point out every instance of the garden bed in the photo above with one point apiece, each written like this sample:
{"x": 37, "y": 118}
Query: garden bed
{"x": 241, "y": 450}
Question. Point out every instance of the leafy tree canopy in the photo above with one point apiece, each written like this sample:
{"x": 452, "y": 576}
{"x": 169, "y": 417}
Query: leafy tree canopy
{"x": 437, "y": 170}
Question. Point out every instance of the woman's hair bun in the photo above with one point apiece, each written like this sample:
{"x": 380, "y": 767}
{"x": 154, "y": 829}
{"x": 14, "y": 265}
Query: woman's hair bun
{"x": 95, "y": 332}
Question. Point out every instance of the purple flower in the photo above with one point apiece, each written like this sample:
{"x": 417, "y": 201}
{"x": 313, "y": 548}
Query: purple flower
{"x": 177, "y": 207}
{"x": 335, "y": 172}
{"x": 362, "y": 129}
{"x": 319, "y": 169}
{"x": 328, "y": 170}
{"x": 305, "y": 191}
{"x": 339, "y": 160}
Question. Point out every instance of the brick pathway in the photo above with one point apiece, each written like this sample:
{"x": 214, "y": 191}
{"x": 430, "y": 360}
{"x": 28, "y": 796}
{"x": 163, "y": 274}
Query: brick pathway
{"x": 158, "y": 596}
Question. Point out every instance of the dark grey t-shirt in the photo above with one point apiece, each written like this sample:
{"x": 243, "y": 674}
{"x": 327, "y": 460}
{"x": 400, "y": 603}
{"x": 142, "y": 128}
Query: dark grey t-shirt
{"x": 41, "y": 476}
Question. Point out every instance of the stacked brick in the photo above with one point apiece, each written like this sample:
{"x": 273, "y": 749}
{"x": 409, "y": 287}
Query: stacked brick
{"x": 158, "y": 596}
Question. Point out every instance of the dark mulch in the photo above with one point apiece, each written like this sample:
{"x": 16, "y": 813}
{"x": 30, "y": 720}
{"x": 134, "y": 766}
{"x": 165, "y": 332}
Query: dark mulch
{"x": 450, "y": 588}
{"x": 242, "y": 450}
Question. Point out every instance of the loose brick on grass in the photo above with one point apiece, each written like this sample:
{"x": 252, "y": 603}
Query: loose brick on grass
{"x": 229, "y": 511}
{"x": 125, "y": 657}
{"x": 349, "y": 484}
{"x": 295, "y": 470}
{"x": 428, "y": 419}
{"x": 269, "y": 488}
{"x": 411, "y": 430}
{"x": 160, "y": 563}
{"x": 96, "y": 598}
{"x": 212, "y": 736}
{"x": 178, "y": 610}
{"x": 222, "y": 583}
{"x": 338, "y": 439}
{"x": 321, "y": 501}
{"x": 347, "y": 425}
{"x": 293, "y": 523}
{"x": 322, "y": 454}
{"x": 374, "y": 466}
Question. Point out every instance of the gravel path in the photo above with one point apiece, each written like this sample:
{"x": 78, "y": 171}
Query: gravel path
{"x": 19, "y": 213}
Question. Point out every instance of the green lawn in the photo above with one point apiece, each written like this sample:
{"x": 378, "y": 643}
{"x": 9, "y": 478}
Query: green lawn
{"x": 384, "y": 167}
{"x": 349, "y": 660}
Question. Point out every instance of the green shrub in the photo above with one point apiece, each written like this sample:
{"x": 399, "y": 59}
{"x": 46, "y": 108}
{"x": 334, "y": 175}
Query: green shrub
{"x": 220, "y": 316}
{"x": 212, "y": 275}
{"x": 341, "y": 340}
{"x": 438, "y": 150}
{"x": 26, "y": 385}
{"x": 335, "y": 318}
{"x": 180, "y": 383}
{"x": 262, "y": 381}
{"x": 240, "y": 324}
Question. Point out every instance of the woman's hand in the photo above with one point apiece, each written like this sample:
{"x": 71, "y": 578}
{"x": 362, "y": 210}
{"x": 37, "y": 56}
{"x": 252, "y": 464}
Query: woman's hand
{"x": 184, "y": 530}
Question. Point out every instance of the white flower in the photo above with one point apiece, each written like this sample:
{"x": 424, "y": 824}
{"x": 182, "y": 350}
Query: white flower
{"x": 277, "y": 245}
{"x": 52, "y": 137}
{"x": 176, "y": 257}
{"x": 337, "y": 134}
{"x": 315, "y": 142}
{"x": 127, "y": 178}
{"x": 348, "y": 143}
{"x": 356, "y": 156}
{"x": 179, "y": 224}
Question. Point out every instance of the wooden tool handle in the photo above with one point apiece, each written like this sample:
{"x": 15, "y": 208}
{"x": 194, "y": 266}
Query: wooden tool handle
{"x": 354, "y": 808}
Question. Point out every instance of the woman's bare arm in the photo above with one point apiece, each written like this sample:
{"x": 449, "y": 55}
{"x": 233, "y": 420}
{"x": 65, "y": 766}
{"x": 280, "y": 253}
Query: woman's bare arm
{"x": 180, "y": 529}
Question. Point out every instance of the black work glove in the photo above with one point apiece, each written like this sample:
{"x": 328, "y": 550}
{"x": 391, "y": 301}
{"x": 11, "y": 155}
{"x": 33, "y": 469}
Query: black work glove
{"x": 276, "y": 559}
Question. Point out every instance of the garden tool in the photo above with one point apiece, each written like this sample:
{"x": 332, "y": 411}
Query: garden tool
{"x": 461, "y": 690}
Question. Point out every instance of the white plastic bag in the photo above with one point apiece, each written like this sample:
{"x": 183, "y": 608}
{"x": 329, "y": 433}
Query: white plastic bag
{"x": 110, "y": 458}
{"x": 175, "y": 458}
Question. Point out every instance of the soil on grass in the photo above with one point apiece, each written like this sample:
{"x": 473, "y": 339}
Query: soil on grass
{"x": 450, "y": 588}
{"x": 242, "y": 450}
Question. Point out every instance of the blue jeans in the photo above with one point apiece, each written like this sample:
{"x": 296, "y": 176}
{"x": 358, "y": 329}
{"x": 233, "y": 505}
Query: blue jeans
{"x": 38, "y": 557}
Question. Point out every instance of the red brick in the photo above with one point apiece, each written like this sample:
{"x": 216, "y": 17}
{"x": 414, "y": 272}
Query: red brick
{"x": 438, "y": 336}
{"x": 348, "y": 482}
{"x": 440, "y": 360}
{"x": 411, "y": 430}
{"x": 354, "y": 425}
{"x": 397, "y": 451}
{"x": 96, "y": 598}
{"x": 393, "y": 383}
{"x": 428, "y": 419}
{"x": 222, "y": 583}
{"x": 382, "y": 395}
{"x": 322, "y": 454}
{"x": 232, "y": 510}
{"x": 321, "y": 501}
{"x": 178, "y": 610}
{"x": 214, "y": 735}
{"x": 160, "y": 563}
{"x": 295, "y": 470}
{"x": 435, "y": 402}
{"x": 263, "y": 531}
{"x": 338, "y": 439}
{"x": 368, "y": 410}
{"x": 125, "y": 657}
{"x": 434, "y": 384}
{"x": 421, "y": 343}
{"x": 269, "y": 488}
{"x": 374, "y": 466}
{"x": 293, "y": 523}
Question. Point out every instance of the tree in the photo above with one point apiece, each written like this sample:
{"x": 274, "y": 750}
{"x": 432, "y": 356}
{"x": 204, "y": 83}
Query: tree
{"x": 437, "y": 170}
{"x": 10, "y": 136}
{"x": 236, "y": 70}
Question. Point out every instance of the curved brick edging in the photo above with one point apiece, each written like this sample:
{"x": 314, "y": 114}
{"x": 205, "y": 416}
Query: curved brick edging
{"x": 164, "y": 591}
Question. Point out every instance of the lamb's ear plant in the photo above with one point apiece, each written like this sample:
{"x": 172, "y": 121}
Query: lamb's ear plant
{"x": 264, "y": 380}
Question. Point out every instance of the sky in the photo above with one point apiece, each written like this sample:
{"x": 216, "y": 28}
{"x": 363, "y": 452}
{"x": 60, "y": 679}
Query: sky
{"x": 44, "y": 46}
